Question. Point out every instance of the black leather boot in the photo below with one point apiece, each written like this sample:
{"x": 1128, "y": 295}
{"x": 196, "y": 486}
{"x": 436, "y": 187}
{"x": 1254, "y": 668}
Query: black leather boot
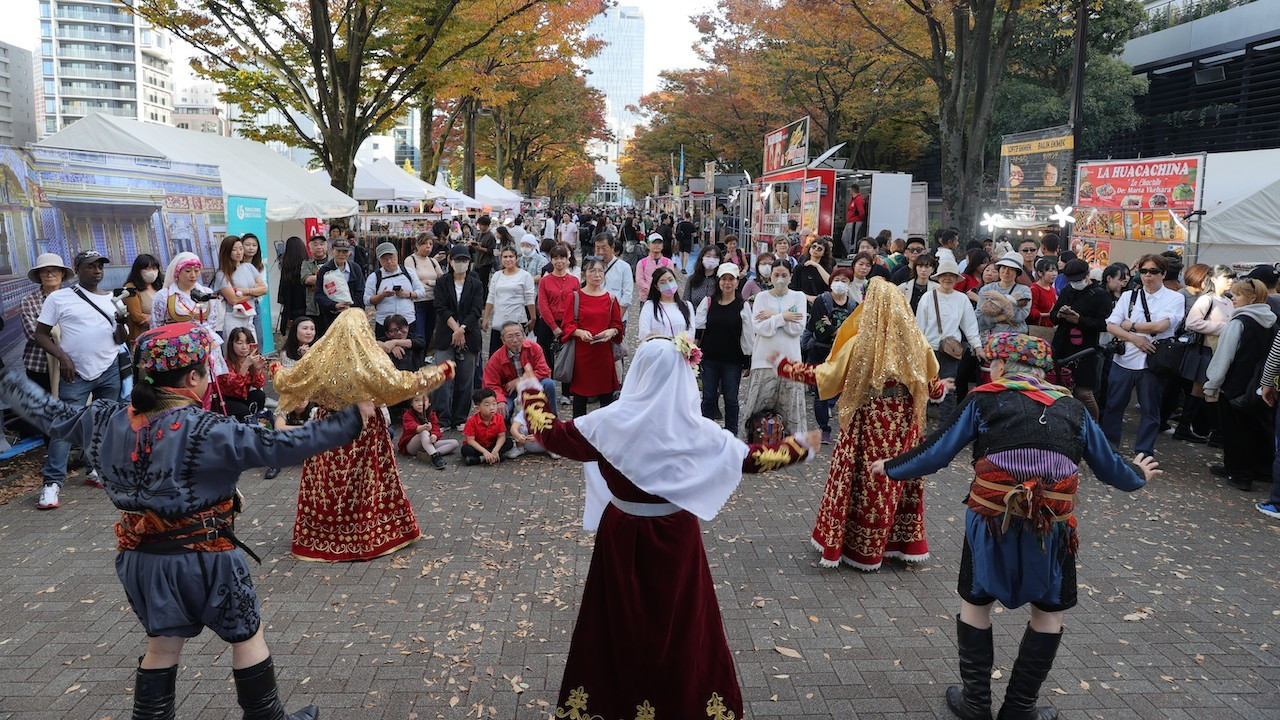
{"x": 257, "y": 694}
{"x": 154, "y": 693}
{"x": 1035, "y": 659}
{"x": 973, "y": 702}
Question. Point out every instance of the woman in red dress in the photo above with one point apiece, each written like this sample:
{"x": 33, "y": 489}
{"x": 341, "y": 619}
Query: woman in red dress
{"x": 351, "y": 504}
{"x": 882, "y": 368}
{"x": 593, "y": 319}
{"x": 649, "y": 641}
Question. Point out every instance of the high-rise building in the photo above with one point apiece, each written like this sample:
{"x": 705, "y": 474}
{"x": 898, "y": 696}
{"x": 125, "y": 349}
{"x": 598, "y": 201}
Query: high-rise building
{"x": 96, "y": 56}
{"x": 17, "y": 97}
{"x": 618, "y": 72}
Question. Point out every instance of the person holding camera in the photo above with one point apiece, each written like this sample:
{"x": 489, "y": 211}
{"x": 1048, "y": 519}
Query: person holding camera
{"x": 391, "y": 290}
{"x": 183, "y": 299}
{"x": 87, "y": 350}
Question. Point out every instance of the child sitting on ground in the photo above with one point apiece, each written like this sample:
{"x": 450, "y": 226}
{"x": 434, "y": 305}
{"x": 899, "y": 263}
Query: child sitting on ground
{"x": 421, "y": 436}
{"x": 524, "y": 440}
{"x": 486, "y": 432}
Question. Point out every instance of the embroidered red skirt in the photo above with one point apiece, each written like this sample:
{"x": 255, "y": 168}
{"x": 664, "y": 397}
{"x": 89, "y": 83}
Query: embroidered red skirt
{"x": 649, "y": 641}
{"x": 351, "y": 504}
{"x": 863, "y": 518}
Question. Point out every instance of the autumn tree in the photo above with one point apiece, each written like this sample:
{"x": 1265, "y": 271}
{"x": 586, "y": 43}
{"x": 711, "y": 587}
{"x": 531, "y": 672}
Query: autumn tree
{"x": 530, "y": 48}
{"x": 963, "y": 52}
{"x": 349, "y": 66}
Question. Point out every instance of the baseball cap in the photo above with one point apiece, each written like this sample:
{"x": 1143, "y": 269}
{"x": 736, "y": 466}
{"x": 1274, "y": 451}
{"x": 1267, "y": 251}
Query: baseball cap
{"x": 656, "y": 237}
{"x": 88, "y": 256}
{"x": 727, "y": 269}
{"x": 1075, "y": 270}
{"x": 340, "y": 243}
{"x": 1266, "y": 273}
{"x": 386, "y": 248}
{"x": 459, "y": 251}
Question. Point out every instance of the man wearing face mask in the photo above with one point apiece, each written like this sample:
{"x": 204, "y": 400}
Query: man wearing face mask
{"x": 531, "y": 260}
{"x": 459, "y": 300}
{"x": 1081, "y": 316}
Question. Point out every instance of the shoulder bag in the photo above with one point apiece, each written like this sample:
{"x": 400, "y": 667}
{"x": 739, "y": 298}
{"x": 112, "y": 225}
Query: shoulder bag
{"x": 1171, "y": 352}
{"x": 564, "y": 351}
{"x": 950, "y": 346}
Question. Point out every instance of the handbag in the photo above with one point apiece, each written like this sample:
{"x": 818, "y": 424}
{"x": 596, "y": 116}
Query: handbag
{"x": 564, "y": 352}
{"x": 1171, "y": 352}
{"x": 950, "y": 346}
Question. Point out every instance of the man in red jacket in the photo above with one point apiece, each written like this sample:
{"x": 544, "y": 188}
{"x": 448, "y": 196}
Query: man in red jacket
{"x": 503, "y": 370}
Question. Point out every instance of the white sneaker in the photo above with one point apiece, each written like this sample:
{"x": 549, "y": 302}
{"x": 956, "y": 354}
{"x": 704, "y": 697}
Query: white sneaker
{"x": 565, "y": 402}
{"x": 48, "y": 498}
{"x": 554, "y": 456}
{"x": 513, "y": 453}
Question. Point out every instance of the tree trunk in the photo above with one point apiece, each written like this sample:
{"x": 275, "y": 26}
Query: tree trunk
{"x": 429, "y": 164}
{"x": 469, "y": 148}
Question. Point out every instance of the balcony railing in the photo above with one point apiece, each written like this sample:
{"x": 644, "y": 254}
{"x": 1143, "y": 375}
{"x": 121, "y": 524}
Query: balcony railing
{"x": 82, "y": 109}
{"x": 83, "y": 72}
{"x": 79, "y": 52}
{"x": 107, "y": 17}
{"x": 80, "y": 34}
{"x": 73, "y": 91}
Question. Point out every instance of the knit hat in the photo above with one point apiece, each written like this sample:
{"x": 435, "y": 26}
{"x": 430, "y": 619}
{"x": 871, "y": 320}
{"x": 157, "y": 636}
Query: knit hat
{"x": 1025, "y": 349}
{"x": 172, "y": 347}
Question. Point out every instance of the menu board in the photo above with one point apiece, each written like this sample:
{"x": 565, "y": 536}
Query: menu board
{"x": 1137, "y": 200}
{"x": 787, "y": 147}
{"x": 1035, "y": 168}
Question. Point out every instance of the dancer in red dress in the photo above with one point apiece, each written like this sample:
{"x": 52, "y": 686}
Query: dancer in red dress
{"x": 649, "y": 641}
{"x": 351, "y": 504}
{"x": 882, "y": 368}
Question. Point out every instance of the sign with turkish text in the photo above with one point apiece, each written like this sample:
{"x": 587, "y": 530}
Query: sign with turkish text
{"x": 787, "y": 147}
{"x": 1035, "y": 167}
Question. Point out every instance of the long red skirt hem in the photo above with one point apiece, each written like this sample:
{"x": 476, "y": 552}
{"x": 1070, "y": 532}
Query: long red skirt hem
{"x": 863, "y": 519}
{"x": 351, "y": 503}
{"x": 649, "y": 641}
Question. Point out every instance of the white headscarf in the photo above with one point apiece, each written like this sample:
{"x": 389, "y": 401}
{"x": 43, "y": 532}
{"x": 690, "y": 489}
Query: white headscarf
{"x": 656, "y": 437}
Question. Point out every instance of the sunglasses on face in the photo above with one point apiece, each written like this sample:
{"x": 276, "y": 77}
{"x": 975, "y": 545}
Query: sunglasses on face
{"x": 1027, "y": 250}
{"x": 1150, "y": 271}
{"x": 915, "y": 250}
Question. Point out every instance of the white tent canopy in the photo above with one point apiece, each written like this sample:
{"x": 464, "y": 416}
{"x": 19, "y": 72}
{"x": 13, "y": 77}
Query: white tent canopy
{"x": 247, "y": 168}
{"x": 382, "y": 180}
{"x": 493, "y": 194}
{"x": 1241, "y": 204}
{"x": 456, "y": 199}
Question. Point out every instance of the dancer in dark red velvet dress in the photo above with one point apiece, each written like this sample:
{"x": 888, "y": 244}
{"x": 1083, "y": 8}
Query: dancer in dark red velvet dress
{"x": 649, "y": 641}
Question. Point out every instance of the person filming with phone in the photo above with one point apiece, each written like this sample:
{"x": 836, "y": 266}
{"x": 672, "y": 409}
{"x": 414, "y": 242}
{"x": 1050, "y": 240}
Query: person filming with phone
{"x": 391, "y": 290}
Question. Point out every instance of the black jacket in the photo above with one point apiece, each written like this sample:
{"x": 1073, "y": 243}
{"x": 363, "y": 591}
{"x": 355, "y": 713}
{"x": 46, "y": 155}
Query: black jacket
{"x": 1094, "y": 304}
{"x": 466, "y": 311}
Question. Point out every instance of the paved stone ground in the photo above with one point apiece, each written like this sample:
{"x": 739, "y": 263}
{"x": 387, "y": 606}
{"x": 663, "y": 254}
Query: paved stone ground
{"x": 1178, "y": 614}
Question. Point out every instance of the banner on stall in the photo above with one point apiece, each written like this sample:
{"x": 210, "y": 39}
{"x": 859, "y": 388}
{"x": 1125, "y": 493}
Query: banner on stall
{"x": 248, "y": 215}
{"x": 1137, "y": 200}
{"x": 787, "y": 147}
{"x": 1034, "y": 168}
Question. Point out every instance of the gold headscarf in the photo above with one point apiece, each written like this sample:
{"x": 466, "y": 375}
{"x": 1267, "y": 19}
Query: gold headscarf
{"x": 347, "y": 366}
{"x": 878, "y": 343}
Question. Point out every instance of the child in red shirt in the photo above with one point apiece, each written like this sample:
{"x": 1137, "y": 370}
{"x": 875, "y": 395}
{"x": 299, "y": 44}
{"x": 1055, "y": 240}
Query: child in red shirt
{"x": 421, "y": 436}
{"x": 486, "y": 432}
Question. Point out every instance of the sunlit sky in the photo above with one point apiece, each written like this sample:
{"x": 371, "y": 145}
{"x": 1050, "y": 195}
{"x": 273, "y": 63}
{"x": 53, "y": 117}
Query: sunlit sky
{"x": 669, "y": 36}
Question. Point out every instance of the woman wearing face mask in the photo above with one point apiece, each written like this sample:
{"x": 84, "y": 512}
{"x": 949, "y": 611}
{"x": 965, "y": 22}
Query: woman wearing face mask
{"x": 664, "y": 312}
{"x": 702, "y": 281}
{"x": 648, "y": 264}
{"x": 725, "y": 335}
{"x": 1081, "y": 314}
{"x": 813, "y": 277}
{"x": 144, "y": 279}
{"x": 759, "y": 281}
{"x": 531, "y": 259}
{"x": 553, "y": 288}
{"x": 778, "y": 320}
{"x": 827, "y": 314}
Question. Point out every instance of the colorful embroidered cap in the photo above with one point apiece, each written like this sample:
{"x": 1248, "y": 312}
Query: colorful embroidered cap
{"x": 171, "y": 347}
{"x": 1026, "y": 349}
